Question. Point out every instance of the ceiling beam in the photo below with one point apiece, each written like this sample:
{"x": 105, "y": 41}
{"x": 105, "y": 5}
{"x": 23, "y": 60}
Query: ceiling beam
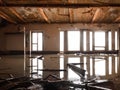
{"x": 71, "y": 15}
{"x": 43, "y": 15}
{"x": 64, "y": 5}
{"x": 6, "y": 17}
{"x": 16, "y": 14}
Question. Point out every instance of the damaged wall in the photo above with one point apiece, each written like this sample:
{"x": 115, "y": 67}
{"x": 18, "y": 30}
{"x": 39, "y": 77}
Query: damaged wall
{"x": 51, "y": 43}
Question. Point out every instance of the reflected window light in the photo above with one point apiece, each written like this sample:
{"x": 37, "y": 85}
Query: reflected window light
{"x": 100, "y": 71}
{"x": 110, "y": 65}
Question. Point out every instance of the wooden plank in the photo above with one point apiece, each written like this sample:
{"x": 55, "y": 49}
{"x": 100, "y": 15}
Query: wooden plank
{"x": 71, "y": 15}
{"x": 117, "y": 19}
{"x": 43, "y": 15}
{"x": 16, "y": 14}
{"x": 6, "y": 17}
{"x": 97, "y": 88}
{"x": 96, "y": 15}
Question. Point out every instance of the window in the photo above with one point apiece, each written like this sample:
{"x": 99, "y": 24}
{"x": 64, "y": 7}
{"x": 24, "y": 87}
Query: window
{"x": 110, "y": 40}
{"x": 36, "y": 63}
{"x": 99, "y": 40}
{"x": 116, "y": 48}
{"x": 37, "y": 41}
{"x": 91, "y": 41}
{"x": 61, "y": 40}
{"x": 73, "y": 40}
{"x": 84, "y": 39}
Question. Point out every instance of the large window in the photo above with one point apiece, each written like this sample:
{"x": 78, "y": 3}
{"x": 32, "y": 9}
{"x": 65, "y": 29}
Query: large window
{"x": 36, "y": 63}
{"x": 92, "y": 41}
{"x": 73, "y": 40}
{"x": 37, "y": 41}
{"x": 99, "y": 40}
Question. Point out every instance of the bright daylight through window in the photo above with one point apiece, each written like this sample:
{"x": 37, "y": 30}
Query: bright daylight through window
{"x": 36, "y": 45}
{"x": 97, "y": 42}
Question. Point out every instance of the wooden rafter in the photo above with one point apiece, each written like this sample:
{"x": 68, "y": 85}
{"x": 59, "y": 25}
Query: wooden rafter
{"x": 6, "y": 17}
{"x": 43, "y": 15}
{"x": 117, "y": 19}
{"x": 96, "y": 15}
{"x": 71, "y": 15}
{"x": 16, "y": 14}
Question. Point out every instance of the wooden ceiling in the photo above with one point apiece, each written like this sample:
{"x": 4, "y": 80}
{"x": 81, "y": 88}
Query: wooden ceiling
{"x": 60, "y": 11}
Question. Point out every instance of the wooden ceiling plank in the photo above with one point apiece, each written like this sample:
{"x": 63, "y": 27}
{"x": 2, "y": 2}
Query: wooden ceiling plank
{"x": 16, "y": 14}
{"x": 43, "y": 15}
{"x": 96, "y": 15}
{"x": 6, "y": 17}
{"x": 71, "y": 15}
